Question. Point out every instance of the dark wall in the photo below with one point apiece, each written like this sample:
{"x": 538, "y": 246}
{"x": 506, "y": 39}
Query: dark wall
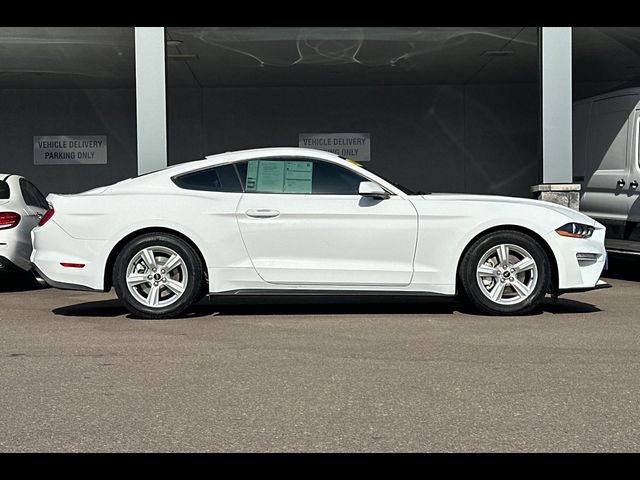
{"x": 478, "y": 138}
{"x": 25, "y": 113}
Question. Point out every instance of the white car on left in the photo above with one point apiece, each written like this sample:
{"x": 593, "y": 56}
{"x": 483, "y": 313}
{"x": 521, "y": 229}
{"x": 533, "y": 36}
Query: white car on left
{"x": 22, "y": 206}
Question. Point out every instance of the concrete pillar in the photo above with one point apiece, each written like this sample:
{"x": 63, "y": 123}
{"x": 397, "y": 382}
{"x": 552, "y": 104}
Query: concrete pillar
{"x": 151, "y": 99}
{"x": 554, "y": 44}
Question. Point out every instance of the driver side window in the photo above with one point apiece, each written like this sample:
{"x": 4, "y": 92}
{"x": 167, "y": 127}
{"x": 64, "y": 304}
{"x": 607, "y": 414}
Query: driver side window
{"x": 298, "y": 175}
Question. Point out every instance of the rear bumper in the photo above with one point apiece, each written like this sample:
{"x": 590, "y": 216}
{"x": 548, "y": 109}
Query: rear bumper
{"x": 63, "y": 285}
{"x": 52, "y": 246}
{"x": 8, "y": 266}
{"x": 14, "y": 252}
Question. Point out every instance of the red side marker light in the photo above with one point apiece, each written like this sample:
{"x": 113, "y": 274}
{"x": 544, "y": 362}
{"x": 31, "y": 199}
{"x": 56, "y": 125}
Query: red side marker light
{"x": 72, "y": 265}
{"x": 46, "y": 217}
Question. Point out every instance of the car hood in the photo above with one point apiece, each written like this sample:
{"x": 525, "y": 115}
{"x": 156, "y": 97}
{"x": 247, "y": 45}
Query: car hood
{"x": 572, "y": 215}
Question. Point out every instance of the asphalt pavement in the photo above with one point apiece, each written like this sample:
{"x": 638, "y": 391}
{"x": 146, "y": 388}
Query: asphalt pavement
{"x": 77, "y": 373}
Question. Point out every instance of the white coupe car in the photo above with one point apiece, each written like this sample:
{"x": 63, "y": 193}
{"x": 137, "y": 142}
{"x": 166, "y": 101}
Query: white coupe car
{"x": 21, "y": 207}
{"x": 284, "y": 220}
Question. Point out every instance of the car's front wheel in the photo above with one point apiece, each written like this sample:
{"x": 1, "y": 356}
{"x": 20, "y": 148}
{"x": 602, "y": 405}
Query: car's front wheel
{"x": 505, "y": 273}
{"x": 158, "y": 275}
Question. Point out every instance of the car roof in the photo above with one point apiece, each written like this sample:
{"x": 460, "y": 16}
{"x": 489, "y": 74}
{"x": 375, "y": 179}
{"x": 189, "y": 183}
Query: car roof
{"x": 10, "y": 177}
{"x": 253, "y": 154}
{"x": 275, "y": 151}
{"x": 257, "y": 153}
{"x": 15, "y": 193}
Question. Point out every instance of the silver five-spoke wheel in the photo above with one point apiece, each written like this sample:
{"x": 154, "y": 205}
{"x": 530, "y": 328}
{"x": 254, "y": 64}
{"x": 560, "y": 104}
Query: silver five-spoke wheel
{"x": 507, "y": 274}
{"x": 157, "y": 276}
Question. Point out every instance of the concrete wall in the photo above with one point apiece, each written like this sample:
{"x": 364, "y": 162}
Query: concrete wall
{"x": 28, "y": 112}
{"x": 478, "y": 138}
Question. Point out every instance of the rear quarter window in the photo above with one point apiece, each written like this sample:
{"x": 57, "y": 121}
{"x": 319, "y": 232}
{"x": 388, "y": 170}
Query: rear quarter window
{"x": 4, "y": 190}
{"x": 218, "y": 179}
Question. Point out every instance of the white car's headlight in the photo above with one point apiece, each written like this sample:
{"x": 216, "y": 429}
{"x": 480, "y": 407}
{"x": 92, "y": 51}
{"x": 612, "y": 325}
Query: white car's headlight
{"x": 575, "y": 230}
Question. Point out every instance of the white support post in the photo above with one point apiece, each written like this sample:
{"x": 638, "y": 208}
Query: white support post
{"x": 556, "y": 104}
{"x": 151, "y": 99}
{"x": 556, "y": 87}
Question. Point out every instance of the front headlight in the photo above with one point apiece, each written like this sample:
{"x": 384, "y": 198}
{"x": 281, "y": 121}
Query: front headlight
{"x": 575, "y": 230}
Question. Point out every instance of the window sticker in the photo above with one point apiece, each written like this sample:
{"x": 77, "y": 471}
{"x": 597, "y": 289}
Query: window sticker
{"x": 277, "y": 176}
{"x": 270, "y": 176}
{"x": 298, "y": 177}
{"x": 252, "y": 176}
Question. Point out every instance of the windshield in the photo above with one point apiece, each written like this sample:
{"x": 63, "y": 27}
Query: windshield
{"x": 405, "y": 190}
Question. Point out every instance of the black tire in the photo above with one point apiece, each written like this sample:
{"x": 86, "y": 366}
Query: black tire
{"x": 204, "y": 290}
{"x": 194, "y": 273}
{"x": 468, "y": 269}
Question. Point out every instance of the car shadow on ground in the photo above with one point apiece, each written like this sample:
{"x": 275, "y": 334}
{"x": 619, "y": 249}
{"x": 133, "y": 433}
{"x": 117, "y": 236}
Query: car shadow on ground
{"x": 623, "y": 267}
{"x": 13, "y": 282}
{"x": 307, "y": 306}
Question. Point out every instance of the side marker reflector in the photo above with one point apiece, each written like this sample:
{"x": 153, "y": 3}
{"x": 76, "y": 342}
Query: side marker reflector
{"x": 72, "y": 265}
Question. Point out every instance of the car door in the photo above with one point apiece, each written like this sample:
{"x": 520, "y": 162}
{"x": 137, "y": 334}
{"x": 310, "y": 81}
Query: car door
{"x": 634, "y": 180}
{"x": 304, "y": 223}
{"x": 605, "y": 192}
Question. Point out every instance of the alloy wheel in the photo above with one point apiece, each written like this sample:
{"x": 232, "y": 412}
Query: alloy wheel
{"x": 507, "y": 274}
{"x": 157, "y": 276}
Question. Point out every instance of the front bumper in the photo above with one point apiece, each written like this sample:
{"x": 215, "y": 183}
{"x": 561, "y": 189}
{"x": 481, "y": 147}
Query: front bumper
{"x": 580, "y": 261}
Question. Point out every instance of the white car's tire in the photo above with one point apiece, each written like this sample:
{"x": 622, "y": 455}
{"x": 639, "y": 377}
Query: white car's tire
{"x": 505, "y": 273}
{"x": 157, "y": 276}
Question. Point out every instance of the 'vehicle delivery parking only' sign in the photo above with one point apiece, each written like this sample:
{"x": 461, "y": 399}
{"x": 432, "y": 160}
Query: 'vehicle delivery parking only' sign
{"x": 70, "y": 150}
{"x": 354, "y": 146}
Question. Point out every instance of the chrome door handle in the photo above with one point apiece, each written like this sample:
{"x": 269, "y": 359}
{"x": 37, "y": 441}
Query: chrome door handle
{"x": 621, "y": 183}
{"x": 262, "y": 213}
{"x": 634, "y": 184}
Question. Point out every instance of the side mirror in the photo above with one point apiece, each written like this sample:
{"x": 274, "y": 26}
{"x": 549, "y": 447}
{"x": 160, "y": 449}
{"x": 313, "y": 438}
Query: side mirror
{"x": 372, "y": 190}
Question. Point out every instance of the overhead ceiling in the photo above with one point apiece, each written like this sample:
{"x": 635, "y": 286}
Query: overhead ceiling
{"x": 104, "y": 57}
{"x": 67, "y": 57}
{"x": 277, "y": 56}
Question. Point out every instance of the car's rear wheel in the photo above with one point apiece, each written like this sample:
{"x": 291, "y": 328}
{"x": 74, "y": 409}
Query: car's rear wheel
{"x": 505, "y": 273}
{"x": 158, "y": 276}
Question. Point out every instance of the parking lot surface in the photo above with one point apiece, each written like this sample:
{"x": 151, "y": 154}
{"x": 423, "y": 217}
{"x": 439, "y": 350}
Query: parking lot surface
{"x": 79, "y": 374}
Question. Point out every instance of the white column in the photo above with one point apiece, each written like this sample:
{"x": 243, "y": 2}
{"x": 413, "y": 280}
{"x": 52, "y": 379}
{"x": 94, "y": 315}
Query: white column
{"x": 555, "y": 65}
{"x": 151, "y": 99}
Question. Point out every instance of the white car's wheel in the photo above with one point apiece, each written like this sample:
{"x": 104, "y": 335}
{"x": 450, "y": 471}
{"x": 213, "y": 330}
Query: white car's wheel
{"x": 158, "y": 276}
{"x": 505, "y": 273}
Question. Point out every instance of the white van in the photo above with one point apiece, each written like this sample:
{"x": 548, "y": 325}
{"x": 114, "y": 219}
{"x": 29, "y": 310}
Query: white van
{"x": 606, "y": 164}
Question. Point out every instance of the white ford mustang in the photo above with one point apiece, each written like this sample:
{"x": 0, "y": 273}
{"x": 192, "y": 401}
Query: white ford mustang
{"x": 280, "y": 220}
